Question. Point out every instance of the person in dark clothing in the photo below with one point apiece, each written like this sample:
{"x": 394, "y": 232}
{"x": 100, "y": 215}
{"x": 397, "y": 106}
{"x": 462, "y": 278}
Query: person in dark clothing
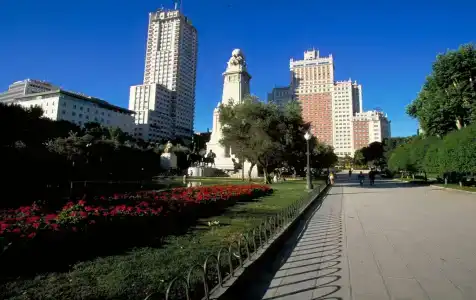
{"x": 361, "y": 178}
{"x": 372, "y": 177}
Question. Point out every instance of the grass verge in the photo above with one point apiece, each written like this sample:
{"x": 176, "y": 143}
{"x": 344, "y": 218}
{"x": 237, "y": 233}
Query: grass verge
{"x": 144, "y": 270}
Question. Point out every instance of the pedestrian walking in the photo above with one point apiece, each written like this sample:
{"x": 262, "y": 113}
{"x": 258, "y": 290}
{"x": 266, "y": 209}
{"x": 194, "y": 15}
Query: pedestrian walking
{"x": 331, "y": 178}
{"x": 361, "y": 178}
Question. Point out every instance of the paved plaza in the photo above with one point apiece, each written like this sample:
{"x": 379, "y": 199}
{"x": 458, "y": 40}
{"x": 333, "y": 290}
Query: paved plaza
{"x": 390, "y": 241}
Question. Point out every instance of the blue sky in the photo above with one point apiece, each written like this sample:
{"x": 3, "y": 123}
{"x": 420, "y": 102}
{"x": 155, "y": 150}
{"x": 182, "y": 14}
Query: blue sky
{"x": 97, "y": 46}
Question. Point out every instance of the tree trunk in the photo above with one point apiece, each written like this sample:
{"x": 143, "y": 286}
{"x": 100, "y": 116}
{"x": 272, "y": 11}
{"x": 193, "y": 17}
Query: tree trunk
{"x": 459, "y": 123}
{"x": 249, "y": 171}
{"x": 266, "y": 176}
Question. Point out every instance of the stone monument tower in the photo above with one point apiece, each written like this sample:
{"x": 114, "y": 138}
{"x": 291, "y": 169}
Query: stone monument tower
{"x": 236, "y": 86}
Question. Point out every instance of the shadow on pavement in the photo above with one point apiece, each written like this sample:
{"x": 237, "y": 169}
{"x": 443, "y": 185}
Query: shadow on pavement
{"x": 307, "y": 267}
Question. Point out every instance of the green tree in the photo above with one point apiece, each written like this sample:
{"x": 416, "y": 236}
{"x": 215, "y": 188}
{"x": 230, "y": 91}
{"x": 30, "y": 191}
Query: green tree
{"x": 294, "y": 156}
{"x": 359, "y": 158}
{"x": 250, "y": 128}
{"x": 417, "y": 150}
{"x": 323, "y": 157}
{"x": 447, "y": 100}
{"x": 270, "y": 137}
{"x": 400, "y": 159}
{"x": 431, "y": 161}
{"x": 458, "y": 151}
{"x": 389, "y": 144}
{"x": 347, "y": 161}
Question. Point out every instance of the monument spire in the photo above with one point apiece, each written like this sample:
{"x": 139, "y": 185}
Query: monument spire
{"x": 236, "y": 86}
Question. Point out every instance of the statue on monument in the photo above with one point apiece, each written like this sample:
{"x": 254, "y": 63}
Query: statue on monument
{"x": 237, "y": 59}
{"x": 210, "y": 159}
{"x": 168, "y": 147}
{"x": 168, "y": 159}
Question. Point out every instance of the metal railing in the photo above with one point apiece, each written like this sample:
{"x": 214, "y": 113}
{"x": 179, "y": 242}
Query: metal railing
{"x": 238, "y": 253}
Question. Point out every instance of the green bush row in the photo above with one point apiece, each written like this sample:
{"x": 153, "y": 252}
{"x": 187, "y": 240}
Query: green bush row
{"x": 455, "y": 153}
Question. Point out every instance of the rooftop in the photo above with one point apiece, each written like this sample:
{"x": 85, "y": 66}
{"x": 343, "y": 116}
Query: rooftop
{"x": 99, "y": 102}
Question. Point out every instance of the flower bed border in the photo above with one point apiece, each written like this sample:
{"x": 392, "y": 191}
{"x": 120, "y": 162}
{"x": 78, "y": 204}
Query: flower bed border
{"x": 192, "y": 210}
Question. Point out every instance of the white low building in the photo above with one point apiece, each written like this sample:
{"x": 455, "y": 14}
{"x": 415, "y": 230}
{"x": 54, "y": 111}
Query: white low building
{"x": 79, "y": 109}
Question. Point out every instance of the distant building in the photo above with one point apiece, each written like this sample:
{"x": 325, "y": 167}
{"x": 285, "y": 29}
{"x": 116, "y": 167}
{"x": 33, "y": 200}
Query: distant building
{"x": 346, "y": 102}
{"x": 165, "y": 102}
{"x": 25, "y": 87}
{"x": 280, "y": 96}
{"x": 369, "y": 127}
{"x": 312, "y": 84}
{"x": 79, "y": 109}
{"x": 153, "y": 103}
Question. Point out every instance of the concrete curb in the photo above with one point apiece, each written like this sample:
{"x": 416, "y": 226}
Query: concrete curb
{"x": 273, "y": 243}
{"x": 451, "y": 189}
{"x": 439, "y": 187}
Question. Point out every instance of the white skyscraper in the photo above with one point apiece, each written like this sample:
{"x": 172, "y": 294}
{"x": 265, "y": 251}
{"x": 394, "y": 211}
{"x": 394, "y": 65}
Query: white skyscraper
{"x": 165, "y": 102}
{"x": 346, "y": 102}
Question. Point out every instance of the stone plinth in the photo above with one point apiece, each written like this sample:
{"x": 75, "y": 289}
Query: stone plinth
{"x": 200, "y": 172}
{"x": 168, "y": 161}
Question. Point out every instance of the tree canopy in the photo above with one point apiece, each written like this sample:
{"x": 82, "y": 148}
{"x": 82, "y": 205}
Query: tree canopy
{"x": 44, "y": 154}
{"x": 454, "y": 153}
{"x": 447, "y": 100}
{"x": 271, "y": 137}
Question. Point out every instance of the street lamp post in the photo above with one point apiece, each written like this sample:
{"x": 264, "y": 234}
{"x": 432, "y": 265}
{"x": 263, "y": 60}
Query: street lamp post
{"x": 309, "y": 186}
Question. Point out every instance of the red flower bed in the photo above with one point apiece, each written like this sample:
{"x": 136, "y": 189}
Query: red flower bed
{"x": 27, "y": 222}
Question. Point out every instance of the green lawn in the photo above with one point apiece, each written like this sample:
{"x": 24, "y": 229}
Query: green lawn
{"x": 457, "y": 187}
{"x": 140, "y": 271}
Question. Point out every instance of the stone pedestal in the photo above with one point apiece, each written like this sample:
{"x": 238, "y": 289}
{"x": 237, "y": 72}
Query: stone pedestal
{"x": 200, "y": 172}
{"x": 168, "y": 161}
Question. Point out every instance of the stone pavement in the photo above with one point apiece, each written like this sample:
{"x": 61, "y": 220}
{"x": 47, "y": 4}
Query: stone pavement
{"x": 389, "y": 241}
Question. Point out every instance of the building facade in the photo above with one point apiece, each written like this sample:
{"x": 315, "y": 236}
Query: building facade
{"x": 334, "y": 108}
{"x": 369, "y": 127}
{"x": 170, "y": 64}
{"x": 312, "y": 84}
{"x": 346, "y": 102}
{"x": 79, "y": 109}
{"x": 25, "y": 87}
{"x": 153, "y": 111}
{"x": 280, "y": 96}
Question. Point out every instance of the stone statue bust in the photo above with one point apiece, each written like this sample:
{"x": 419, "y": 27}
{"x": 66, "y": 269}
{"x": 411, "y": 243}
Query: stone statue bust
{"x": 168, "y": 147}
{"x": 237, "y": 58}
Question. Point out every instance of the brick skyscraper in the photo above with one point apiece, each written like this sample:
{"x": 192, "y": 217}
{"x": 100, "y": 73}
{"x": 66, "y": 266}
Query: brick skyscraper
{"x": 312, "y": 81}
